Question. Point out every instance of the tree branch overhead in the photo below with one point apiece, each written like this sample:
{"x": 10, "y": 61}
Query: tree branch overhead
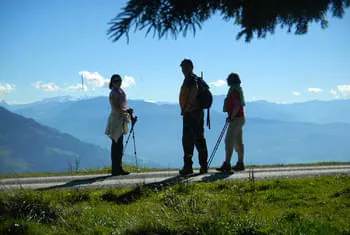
{"x": 255, "y": 17}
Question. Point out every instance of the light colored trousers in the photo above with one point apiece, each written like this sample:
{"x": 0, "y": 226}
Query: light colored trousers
{"x": 234, "y": 138}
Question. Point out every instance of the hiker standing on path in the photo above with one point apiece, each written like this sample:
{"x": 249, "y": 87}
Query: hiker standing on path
{"x": 193, "y": 121}
{"x": 117, "y": 123}
{"x": 234, "y": 106}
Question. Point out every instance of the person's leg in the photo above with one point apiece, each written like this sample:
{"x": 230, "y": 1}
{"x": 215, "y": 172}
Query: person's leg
{"x": 120, "y": 148}
{"x": 240, "y": 147}
{"x": 188, "y": 139}
{"x": 200, "y": 141}
{"x": 229, "y": 142}
{"x": 114, "y": 158}
{"x": 118, "y": 157}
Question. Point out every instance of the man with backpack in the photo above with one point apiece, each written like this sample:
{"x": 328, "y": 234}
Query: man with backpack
{"x": 193, "y": 120}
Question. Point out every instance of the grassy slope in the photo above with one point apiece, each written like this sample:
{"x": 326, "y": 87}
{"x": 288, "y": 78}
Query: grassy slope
{"x": 289, "y": 206}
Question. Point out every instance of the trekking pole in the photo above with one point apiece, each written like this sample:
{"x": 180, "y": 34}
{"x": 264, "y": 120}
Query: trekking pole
{"x": 217, "y": 143}
{"x": 133, "y": 121}
{"x": 133, "y": 138}
{"x": 127, "y": 139}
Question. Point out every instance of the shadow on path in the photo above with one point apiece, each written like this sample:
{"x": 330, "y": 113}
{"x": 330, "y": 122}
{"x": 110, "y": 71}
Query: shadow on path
{"x": 76, "y": 183}
{"x": 216, "y": 176}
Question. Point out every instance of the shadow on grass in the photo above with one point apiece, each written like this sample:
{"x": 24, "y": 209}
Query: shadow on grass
{"x": 144, "y": 190}
{"x": 74, "y": 183}
{"x": 140, "y": 190}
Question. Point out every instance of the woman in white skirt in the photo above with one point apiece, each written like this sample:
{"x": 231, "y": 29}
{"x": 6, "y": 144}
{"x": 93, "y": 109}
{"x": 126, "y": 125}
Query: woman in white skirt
{"x": 117, "y": 125}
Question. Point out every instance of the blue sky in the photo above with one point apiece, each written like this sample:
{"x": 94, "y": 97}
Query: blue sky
{"x": 46, "y": 46}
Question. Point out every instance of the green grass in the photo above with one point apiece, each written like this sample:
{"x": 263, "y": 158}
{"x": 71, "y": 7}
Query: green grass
{"x": 318, "y": 205}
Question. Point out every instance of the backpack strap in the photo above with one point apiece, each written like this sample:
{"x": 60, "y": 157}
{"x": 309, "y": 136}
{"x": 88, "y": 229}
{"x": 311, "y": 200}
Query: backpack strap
{"x": 200, "y": 82}
{"x": 208, "y": 118}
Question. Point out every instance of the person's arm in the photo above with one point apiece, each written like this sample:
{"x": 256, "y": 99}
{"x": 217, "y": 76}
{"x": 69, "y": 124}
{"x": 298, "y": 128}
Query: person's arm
{"x": 183, "y": 98}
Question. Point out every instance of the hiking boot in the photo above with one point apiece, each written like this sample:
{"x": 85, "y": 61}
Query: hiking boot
{"x": 186, "y": 171}
{"x": 224, "y": 168}
{"x": 120, "y": 172}
{"x": 203, "y": 170}
{"x": 238, "y": 167}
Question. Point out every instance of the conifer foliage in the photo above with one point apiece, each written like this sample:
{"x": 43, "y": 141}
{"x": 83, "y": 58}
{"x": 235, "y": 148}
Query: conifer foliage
{"x": 255, "y": 17}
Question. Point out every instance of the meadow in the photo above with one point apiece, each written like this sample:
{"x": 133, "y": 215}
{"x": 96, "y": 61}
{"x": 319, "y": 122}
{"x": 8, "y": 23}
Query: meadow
{"x": 319, "y": 205}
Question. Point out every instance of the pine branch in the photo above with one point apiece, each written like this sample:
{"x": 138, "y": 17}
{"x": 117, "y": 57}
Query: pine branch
{"x": 255, "y": 17}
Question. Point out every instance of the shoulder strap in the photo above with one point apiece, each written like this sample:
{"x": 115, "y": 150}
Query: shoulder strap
{"x": 208, "y": 118}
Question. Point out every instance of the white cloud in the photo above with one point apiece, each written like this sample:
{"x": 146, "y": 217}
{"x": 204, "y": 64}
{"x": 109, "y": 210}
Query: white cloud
{"x": 333, "y": 92}
{"x": 6, "y": 88}
{"x": 128, "y": 81}
{"x": 344, "y": 90}
{"x": 77, "y": 87}
{"x": 49, "y": 87}
{"x": 218, "y": 83}
{"x": 296, "y": 93}
{"x": 94, "y": 79}
{"x": 314, "y": 90}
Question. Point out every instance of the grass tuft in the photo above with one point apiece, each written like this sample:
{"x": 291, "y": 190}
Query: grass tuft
{"x": 77, "y": 196}
{"x": 343, "y": 193}
{"x": 14, "y": 228}
{"x": 29, "y": 207}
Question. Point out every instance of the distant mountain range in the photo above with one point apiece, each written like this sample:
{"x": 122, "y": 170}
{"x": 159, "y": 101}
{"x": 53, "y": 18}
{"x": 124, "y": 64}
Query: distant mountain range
{"x": 311, "y": 111}
{"x": 274, "y": 133}
{"x": 320, "y": 112}
{"x": 27, "y": 146}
